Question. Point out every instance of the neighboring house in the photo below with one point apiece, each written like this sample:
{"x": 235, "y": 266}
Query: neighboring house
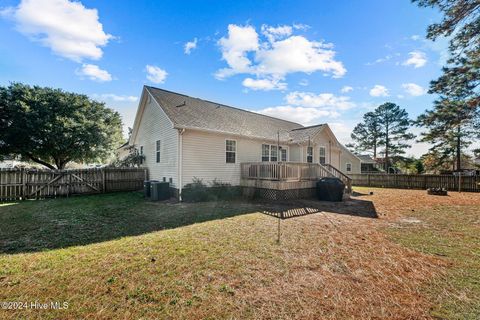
{"x": 183, "y": 138}
{"x": 369, "y": 164}
{"x": 11, "y": 162}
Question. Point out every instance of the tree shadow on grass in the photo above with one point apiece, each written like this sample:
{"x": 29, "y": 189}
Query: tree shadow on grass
{"x": 38, "y": 225}
{"x": 291, "y": 209}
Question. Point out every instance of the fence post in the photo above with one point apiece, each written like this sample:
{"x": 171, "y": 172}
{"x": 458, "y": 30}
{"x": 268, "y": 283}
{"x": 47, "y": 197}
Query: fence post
{"x": 104, "y": 180}
{"x": 24, "y": 184}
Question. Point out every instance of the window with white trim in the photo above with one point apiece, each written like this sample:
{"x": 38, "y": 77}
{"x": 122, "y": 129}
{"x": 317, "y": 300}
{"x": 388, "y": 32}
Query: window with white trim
{"x": 273, "y": 153}
{"x": 157, "y": 151}
{"x": 141, "y": 153}
{"x": 230, "y": 151}
{"x": 309, "y": 154}
{"x": 349, "y": 167}
{"x": 283, "y": 154}
{"x": 322, "y": 155}
{"x": 265, "y": 152}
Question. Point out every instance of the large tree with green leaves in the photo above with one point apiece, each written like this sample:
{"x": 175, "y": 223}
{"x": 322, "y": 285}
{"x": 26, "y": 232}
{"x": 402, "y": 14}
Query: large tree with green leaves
{"x": 454, "y": 120}
{"x": 367, "y": 134}
{"x": 53, "y": 127}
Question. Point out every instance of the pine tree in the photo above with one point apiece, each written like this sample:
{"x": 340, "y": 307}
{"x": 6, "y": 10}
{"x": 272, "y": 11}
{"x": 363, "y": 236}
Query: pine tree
{"x": 454, "y": 120}
{"x": 366, "y": 135}
{"x": 394, "y": 124}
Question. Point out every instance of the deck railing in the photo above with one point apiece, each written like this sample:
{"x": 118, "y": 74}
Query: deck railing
{"x": 342, "y": 176}
{"x": 283, "y": 171}
{"x": 292, "y": 171}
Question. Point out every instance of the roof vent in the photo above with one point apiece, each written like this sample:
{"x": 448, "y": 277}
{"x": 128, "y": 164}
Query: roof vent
{"x": 183, "y": 104}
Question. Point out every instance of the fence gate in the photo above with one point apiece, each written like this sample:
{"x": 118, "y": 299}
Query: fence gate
{"x": 18, "y": 184}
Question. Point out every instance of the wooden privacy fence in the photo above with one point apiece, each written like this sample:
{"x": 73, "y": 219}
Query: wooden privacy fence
{"x": 417, "y": 181}
{"x": 18, "y": 184}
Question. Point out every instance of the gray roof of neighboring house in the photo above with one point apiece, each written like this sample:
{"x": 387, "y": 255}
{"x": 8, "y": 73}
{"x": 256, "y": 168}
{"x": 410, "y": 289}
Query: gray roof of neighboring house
{"x": 195, "y": 113}
{"x": 365, "y": 158}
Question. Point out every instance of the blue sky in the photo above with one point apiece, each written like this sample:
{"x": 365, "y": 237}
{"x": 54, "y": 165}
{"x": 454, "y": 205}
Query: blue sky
{"x": 306, "y": 61}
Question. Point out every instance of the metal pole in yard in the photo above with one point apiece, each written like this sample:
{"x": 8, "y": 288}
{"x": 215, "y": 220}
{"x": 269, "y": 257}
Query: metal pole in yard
{"x": 278, "y": 226}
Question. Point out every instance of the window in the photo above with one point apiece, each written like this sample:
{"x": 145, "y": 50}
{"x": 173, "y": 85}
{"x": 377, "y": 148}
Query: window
{"x": 157, "y": 151}
{"x": 265, "y": 152}
{"x": 273, "y": 153}
{"x": 141, "y": 153}
{"x": 322, "y": 157}
{"x": 230, "y": 151}
{"x": 349, "y": 167}
{"x": 283, "y": 154}
{"x": 309, "y": 154}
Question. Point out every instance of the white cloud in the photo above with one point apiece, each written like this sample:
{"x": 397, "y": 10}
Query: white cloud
{"x": 346, "y": 89}
{"x": 274, "y": 33}
{"x": 415, "y": 37}
{"x": 93, "y": 72}
{"x": 298, "y": 54}
{"x": 190, "y": 45}
{"x": 310, "y": 108}
{"x": 234, "y": 48}
{"x": 68, "y": 28}
{"x": 323, "y": 100}
{"x": 115, "y": 97}
{"x": 281, "y": 54}
{"x": 417, "y": 59}
{"x": 379, "y": 91}
{"x": 156, "y": 74}
{"x": 414, "y": 89}
{"x": 264, "y": 84}
{"x": 305, "y": 116}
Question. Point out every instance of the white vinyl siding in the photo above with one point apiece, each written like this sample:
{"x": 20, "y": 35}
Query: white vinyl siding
{"x": 346, "y": 158}
{"x": 153, "y": 126}
{"x": 204, "y": 156}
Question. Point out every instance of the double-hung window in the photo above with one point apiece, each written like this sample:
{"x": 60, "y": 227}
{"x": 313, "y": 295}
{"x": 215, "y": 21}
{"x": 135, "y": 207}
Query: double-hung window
{"x": 265, "y": 152}
{"x": 141, "y": 154}
{"x": 309, "y": 154}
{"x": 349, "y": 167}
{"x": 230, "y": 151}
{"x": 273, "y": 153}
{"x": 157, "y": 151}
{"x": 283, "y": 154}
{"x": 322, "y": 155}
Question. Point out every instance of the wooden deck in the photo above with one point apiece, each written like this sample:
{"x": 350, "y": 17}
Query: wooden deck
{"x": 287, "y": 180}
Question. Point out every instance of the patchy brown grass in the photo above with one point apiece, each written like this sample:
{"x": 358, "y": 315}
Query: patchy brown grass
{"x": 334, "y": 264}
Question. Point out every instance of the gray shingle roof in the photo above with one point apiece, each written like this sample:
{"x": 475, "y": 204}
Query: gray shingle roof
{"x": 365, "y": 158}
{"x": 303, "y": 134}
{"x": 189, "y": 112}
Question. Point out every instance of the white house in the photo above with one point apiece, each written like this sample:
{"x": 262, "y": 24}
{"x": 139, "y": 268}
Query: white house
{"x": 183, "y": 137}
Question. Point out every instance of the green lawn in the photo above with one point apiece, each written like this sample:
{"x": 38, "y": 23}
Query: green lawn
{"x": 118, "y": 256}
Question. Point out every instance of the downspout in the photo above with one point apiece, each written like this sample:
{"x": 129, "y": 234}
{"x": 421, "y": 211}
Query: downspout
{"x": 330, "y": 152}
{"x": 180, "y": 163}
